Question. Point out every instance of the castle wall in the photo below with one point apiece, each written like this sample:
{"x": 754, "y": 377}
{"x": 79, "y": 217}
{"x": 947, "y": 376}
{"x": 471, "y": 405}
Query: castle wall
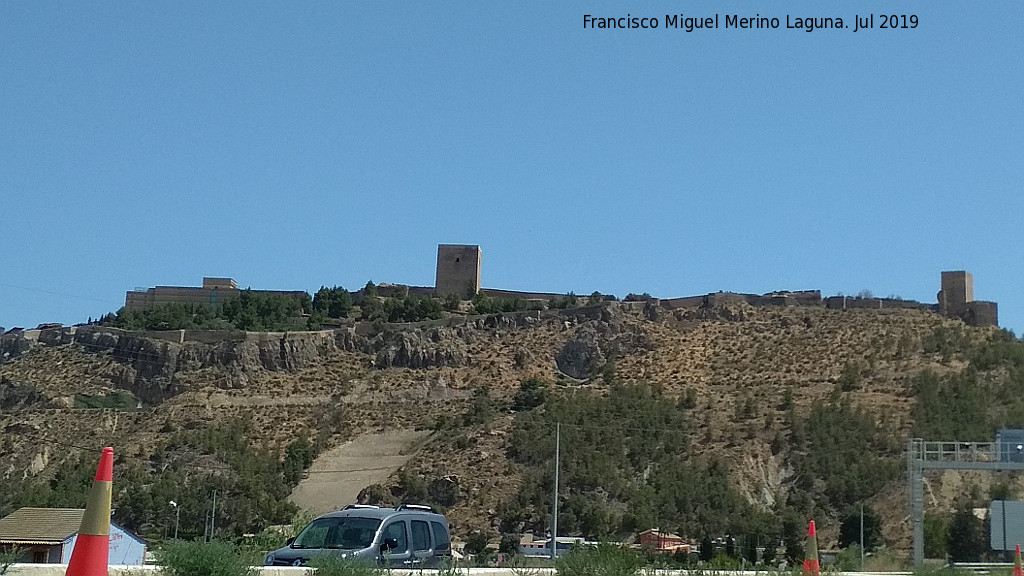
{"x": 687, "y": 302}
{"x": 215, "y": 292}
{"x": 493, "y": 293}
{"x": 981, "y": 313}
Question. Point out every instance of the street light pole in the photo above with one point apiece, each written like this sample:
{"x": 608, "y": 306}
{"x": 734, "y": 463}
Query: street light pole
{"x": 861, "y": 536}
{"x": 554, "y": 511}
{"x": 177, "y": 516}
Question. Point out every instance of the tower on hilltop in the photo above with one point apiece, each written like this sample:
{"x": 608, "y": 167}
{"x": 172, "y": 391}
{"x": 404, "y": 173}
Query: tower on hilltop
{"x": 956, "y": 300}
{"x": 957, "y": 291}
{"x": 458, "y": 270}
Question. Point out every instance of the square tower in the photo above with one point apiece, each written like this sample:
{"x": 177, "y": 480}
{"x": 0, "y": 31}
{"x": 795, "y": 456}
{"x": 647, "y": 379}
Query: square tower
{"x": 458, "y": 270}
{"x": 957, "y": 291}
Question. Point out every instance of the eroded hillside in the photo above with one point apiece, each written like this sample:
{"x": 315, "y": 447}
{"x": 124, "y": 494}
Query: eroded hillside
{"x": 737, "y": 366}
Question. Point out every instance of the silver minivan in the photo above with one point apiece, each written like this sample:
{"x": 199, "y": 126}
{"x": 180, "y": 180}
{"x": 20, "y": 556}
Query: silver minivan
{"x": 409, "y": 536}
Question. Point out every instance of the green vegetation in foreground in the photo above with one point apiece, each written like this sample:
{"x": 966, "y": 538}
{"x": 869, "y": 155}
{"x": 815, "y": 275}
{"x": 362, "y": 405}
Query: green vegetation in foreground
{"x": 215, "y": 558}
{"x": 8, "y": 556}
{"x": 601, "y": 560}
{"x": 328, "y": 565}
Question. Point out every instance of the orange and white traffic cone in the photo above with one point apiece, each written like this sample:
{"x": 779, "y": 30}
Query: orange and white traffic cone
{"x": 1017, "y": 571}
{"x": 811, "y": 566}
{"x": 92, "y": 546}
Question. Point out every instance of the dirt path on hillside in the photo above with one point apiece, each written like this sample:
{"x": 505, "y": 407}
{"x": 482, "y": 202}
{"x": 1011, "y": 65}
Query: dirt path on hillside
{"x": 337, "y": 476}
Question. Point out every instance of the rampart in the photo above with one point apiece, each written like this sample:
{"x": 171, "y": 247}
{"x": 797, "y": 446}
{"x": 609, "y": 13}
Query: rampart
{"x": 213, "y": 292}
{"x": 956, "y": 300}
{"x": 513, "y": 294}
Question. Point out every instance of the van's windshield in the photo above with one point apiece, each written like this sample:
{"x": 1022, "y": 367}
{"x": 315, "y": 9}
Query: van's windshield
{"x": 346, "y": 533}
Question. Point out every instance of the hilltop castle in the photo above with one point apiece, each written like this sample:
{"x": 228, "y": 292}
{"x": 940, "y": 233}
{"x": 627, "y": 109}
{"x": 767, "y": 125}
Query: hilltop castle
{"x": 458, "y": 274}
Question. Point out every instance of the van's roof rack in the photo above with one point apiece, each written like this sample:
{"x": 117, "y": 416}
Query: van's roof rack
{"x": 351, "y": 506}
{"x": 415, "y": 507}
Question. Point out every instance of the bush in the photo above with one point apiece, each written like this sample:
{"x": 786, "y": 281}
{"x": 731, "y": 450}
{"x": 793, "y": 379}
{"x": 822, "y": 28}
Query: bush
{"x": 8, "y": 557}
{"x": 509, "y": 544}
{"x": 476, "y": 543}
{"x": 180, "y": 558}
{"x": 531, "y": 394}
{"x": 602, "y": 560}
{"x": 333, "y": 566}
{"x": 564, "y": 302}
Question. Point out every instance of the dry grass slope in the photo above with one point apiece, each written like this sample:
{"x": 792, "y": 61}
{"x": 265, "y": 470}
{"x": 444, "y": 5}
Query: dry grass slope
{"x": 739, "y": 361}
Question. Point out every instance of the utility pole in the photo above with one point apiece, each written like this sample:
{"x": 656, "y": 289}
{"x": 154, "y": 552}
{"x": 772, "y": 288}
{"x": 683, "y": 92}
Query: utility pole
{"x": 861, "y": 536}
{"x": 213, "y": 517}
{"x": 1005, "y": 549}
{"x": 554, "y": 514}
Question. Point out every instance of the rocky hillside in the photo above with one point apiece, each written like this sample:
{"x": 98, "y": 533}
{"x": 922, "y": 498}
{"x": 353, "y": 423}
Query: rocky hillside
{"x": 737, "y": 366}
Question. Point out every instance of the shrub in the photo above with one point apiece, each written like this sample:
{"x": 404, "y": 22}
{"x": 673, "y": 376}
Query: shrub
{"x": 531, "y": 394}
{"x": 180, "y": 558}
{"x": 509, "y": 544}
{"x": 7, "y": 558}
{"x": 602, "y": 560}
{"x": 476, "y": 543}
{"x": 328, "y": 565}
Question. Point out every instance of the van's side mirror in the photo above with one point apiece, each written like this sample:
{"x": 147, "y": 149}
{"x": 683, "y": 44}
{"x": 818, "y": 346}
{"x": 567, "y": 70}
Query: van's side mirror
{"x": 388, "y": 544}
{"x": 289, "y": 541}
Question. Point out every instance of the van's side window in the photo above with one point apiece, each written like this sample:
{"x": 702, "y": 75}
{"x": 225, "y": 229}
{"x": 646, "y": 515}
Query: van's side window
{"x": 420, "y": 535}
{"x": 396, "y": 530}
{"x": 441, "y": 541}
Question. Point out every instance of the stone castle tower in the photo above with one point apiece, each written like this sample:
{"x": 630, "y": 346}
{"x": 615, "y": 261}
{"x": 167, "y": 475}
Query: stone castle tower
{"x": 458, "y": 270}
{"x": 956, "y": 300}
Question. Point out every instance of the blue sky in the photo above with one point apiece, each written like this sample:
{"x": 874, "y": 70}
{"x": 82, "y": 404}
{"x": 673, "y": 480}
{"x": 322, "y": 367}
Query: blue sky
{"x": 291, "y": 145}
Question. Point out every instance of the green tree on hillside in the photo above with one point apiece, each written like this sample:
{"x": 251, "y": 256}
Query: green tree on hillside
{"x": 335, "y": 302}
{"x": 966, "y": 538}
{"x": 846, "y": 455}
{"x": 850, "y": 526}
{"x": 625, "y": 467}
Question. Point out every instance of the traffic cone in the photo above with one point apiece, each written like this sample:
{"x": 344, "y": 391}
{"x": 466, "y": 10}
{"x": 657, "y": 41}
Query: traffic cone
{"x": 1017, "y": 571}
{"x": 89, "y": 558}
{"x": 811, "y": 567}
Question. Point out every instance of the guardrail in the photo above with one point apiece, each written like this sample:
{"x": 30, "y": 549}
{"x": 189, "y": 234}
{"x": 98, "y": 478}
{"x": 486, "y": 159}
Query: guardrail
{"x": 60, "y": 569}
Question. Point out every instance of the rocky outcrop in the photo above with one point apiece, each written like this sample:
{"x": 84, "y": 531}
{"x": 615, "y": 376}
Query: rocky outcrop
{"x": 418, "y": 349}
{"x": 582, "y": 356}
{"x": 652, "y": 310}
{"x": 12, "y": 346}
{"x": 731, "y": 312}
{"x": 151, "y": 363}
{"x": 14, "y": 395}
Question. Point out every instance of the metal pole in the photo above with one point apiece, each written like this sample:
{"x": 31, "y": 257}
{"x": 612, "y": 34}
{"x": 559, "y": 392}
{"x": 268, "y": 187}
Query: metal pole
{"x": 177, "y": 516}
{"x": 861, "y": 536}
{"x": 213, "y": 517}
{"x": 554, "y": 514}
{"x": 1004, "y": 527}
{"x": 915, "y": 472}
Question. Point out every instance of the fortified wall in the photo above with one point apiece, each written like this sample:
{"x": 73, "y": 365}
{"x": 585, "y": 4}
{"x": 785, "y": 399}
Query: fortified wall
{"x": 956, "y": 300}
{"x": 213, "y": 292}
{"x": 458, "y": 274}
